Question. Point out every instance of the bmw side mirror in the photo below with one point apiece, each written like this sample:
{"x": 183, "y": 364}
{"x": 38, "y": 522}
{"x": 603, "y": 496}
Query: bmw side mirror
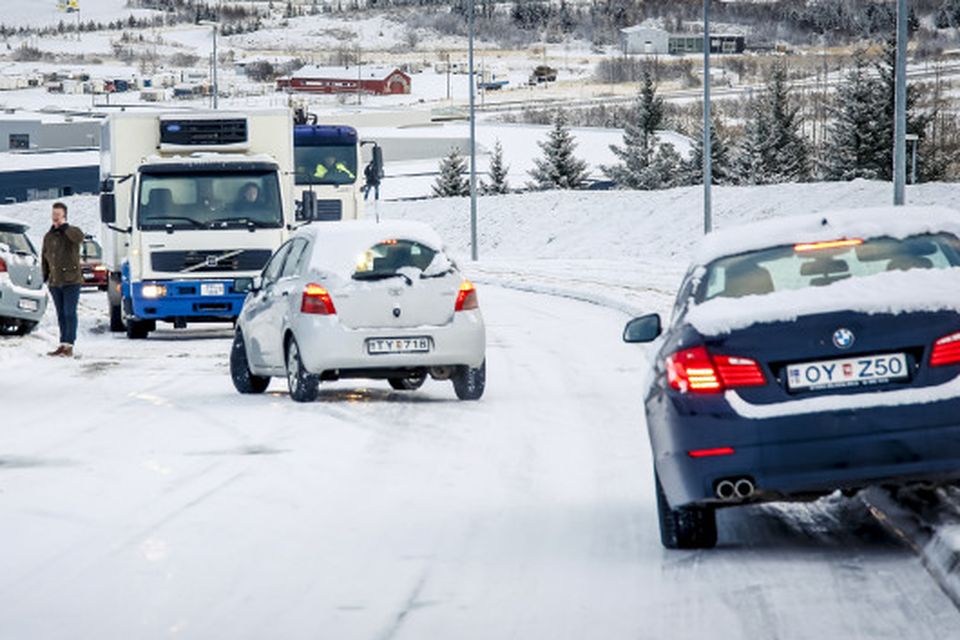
{"x": 643, "y": 329}
{"x": 108, "y": 208}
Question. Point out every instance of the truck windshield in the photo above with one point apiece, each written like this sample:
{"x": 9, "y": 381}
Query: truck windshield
{"x": 326, "y": 164}
{"x": 210, "y": 200}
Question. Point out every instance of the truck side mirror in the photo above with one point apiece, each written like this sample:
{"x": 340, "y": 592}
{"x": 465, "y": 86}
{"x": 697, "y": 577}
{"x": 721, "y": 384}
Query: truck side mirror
{"x": 107, "y": 185}
{"x": 309, "y": 205}
{"x": 108, "y": 208}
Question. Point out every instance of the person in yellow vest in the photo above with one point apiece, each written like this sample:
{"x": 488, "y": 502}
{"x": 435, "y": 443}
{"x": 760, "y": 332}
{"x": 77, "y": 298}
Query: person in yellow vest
{"x": 334, "y": 171}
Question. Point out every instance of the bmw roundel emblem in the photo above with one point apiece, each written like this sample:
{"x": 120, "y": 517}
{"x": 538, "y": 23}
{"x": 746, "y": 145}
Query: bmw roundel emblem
{"x": 843, "y": 338}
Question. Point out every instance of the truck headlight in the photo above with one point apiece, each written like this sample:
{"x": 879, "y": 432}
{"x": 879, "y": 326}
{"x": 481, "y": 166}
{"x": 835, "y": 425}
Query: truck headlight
{"x": 153, "y": 291}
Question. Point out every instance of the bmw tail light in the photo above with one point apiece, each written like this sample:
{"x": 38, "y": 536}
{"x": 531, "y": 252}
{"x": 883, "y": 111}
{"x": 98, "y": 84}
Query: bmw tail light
{"x": 316, "y": 300}
{"x": 697, "y": 371}
{"x": 692, "y": 370}
{"x": 3, "y": 266}
{"x": 467, "y": 297}
{"x": 946, "y": 351}
{"x": 739, "y": 372}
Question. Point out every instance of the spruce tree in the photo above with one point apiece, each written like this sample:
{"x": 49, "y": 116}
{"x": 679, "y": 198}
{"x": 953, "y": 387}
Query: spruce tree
{"x": 498, "y": 173}
{"x": 452, "y": 182}
{"x": 773, "y": 149}
{"x": 636, "y": 156}
{"x": 721, "y": 169}
{"x": 559, "y": 168}
{"x": 855, "y": 140}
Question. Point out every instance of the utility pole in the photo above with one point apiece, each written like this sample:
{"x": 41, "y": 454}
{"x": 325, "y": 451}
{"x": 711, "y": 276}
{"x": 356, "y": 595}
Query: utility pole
{"x": 216, "y": 84}
{"x": 900, "y": 121}
{"x": 707, "y": 124}
{"x": 474, "y": 253}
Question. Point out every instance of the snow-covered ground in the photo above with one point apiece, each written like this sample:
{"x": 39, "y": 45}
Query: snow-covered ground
{"x": 142, "y": 497}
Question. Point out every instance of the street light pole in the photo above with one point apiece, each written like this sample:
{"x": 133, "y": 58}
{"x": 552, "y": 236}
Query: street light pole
{"x": 216, "y": 84}
{"x": 900, "y": 120}
{"x": 474, "y": 253}
{"x": 707, "y": 124}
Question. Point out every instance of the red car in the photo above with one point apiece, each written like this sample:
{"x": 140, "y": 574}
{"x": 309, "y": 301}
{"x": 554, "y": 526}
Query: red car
{"x": 91, "y": 264}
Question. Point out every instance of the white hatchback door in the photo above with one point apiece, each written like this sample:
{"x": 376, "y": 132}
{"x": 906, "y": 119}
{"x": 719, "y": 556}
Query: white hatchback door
{"x": 399, "y": 284}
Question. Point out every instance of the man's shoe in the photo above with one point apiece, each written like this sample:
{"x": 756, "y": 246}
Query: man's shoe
{"x": 67, "y": 351}
{"x": 58, "y": 351}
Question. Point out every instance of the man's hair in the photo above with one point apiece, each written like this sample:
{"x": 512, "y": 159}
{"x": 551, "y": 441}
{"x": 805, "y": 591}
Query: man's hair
{"x": 61, "y": 206}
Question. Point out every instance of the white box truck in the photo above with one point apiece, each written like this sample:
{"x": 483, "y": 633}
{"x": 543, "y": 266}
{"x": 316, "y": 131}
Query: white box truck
{"x": 192, "y": 205}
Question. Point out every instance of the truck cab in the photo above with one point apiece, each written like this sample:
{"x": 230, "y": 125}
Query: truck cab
{"x": 193, "y": 206}
{"x": 328, "y": 167}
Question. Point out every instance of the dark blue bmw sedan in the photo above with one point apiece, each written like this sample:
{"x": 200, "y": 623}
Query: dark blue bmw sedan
{"x": 806, "y": 355}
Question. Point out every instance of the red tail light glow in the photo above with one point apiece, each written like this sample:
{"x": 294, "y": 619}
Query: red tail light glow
{"x": 467, "y": 297}
{"x": 3, "y": 266}
{"x": 709, "y": 453}
{"x": 697, "y": 371}
{"x": 829, "y": 244}
{"x": 317, "y": 300}
{"x": 946, "y": 351}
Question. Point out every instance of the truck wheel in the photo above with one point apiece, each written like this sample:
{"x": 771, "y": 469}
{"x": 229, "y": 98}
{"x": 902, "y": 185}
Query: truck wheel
{"x": 243, "y": 380}
{"x": 686, "y": 527}
{"x": 138, "y": 329}
{"x": 116, "y": 318}
{"x": 410, "y": 383}
{"x": 26, "y": 326}
{"x": 469, "y": 383}
{"x": 303, "y": 386}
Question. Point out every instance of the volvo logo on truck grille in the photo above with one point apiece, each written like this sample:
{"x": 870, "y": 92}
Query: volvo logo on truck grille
{"x": 843, "y": 338}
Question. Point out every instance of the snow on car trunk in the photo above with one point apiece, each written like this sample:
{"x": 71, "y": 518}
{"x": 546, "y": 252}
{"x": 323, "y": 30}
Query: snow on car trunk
{"x": 386, "y": 275}
{"x": 397, "y": 302}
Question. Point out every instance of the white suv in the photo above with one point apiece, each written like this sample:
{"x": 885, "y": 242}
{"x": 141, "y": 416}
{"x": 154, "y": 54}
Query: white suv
{"x": 360, "y": 300}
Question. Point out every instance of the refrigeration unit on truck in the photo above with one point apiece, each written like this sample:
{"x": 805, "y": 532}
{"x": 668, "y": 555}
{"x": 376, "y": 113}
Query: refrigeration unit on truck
{"x": 330, "y": 174}
{"x": 193, "y": 204}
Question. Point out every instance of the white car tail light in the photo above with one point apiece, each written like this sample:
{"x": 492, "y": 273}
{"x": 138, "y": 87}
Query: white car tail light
{"x": 316, "y": 300}
{"x": 467, "y": 297}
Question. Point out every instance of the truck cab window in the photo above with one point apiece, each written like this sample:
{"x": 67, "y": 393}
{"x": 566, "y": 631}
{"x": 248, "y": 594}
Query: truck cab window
{"x": 328, "y": 164}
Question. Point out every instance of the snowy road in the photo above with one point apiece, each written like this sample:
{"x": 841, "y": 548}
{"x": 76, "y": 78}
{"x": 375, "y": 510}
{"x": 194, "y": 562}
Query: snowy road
{"x": 142, "y": 498}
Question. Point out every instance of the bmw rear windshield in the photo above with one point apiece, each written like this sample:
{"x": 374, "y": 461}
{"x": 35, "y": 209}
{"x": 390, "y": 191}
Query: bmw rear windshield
{"x": 820, "y": 264}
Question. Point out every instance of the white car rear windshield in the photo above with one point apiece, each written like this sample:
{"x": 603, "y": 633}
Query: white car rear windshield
{"x": 16, "y": 240}
{"x": 819, "y": 264}
{"x": 387, "y": 259}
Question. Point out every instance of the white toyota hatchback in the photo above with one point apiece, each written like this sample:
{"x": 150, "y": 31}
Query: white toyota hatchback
{"x": 360, "y": 300}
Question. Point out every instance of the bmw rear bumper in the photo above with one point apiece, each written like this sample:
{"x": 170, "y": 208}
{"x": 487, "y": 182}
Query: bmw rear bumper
{"x": 805, "y": 455}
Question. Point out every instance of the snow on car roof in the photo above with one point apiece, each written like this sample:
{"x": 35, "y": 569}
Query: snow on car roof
{"x": 11, "y": 221}
{"x": 896, "y": 292}
{"x": 895, "y": 222}
{"x": 339, "y": 244}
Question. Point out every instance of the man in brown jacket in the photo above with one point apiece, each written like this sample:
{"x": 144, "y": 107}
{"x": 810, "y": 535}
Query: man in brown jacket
{"x": 61, "y": 272}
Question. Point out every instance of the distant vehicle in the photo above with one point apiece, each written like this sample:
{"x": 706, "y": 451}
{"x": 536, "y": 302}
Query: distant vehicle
{"x": 542, "y": 74}
{"x": 91, "y": 264}
{"x": 360, "y": 300}
{"x": 22, "y": 297}
{"x": 810, "y": 355}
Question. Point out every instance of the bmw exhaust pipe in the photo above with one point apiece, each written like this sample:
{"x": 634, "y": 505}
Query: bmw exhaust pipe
{"x": 726, "y": 490}
{"x": 744, "y": 488}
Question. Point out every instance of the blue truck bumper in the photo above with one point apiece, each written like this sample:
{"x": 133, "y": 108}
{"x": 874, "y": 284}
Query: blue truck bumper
{"x": 196, "y": 300}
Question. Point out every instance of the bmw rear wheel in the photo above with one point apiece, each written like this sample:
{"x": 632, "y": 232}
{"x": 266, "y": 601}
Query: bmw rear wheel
{"x": 468, "y": 383}
{"x": 410, "y": 383}
{"x": 243, "y": 380}
{"x": 303, "y": 386}
{"x": 691, "y": 527}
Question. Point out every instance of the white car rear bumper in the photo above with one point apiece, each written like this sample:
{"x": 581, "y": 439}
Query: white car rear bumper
{"x": 326, "y": 345}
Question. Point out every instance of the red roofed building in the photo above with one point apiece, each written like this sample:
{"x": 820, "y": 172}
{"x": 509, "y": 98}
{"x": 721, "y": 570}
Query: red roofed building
{"x": 377, "y": 80}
